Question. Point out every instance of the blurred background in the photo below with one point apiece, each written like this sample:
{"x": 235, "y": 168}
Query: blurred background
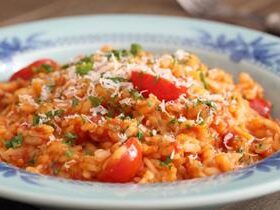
{"x": 257, "y": 14}
{"x": 263, "y": 15}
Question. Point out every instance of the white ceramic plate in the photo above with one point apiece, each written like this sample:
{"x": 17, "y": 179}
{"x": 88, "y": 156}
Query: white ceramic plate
{"x": 233, "y": 48}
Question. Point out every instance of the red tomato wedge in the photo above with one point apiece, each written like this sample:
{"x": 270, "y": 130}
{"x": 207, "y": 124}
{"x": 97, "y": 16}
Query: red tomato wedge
{"x": 160, "y": 87}
{"x": 28, "y": 72}
{"x": 262, "y": 106}
{"x": 123, "y": 164}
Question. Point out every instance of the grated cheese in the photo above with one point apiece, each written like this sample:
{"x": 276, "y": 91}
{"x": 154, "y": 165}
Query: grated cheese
{"x": 98, "y": 110}
{"x": 27, "y": 99}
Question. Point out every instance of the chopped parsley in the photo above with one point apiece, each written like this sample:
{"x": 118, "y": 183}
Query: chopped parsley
{"x": 69, "y": 153}
{"x": 43, "y": 67}
{"x": 14, "y": 142}
{"x": 199, "y": 120}
{"x": 32, "y": 161}
{"x": 56, "y": 171}
{"x": 202, "y": 79}
{"x": 188, "y": 126}
{"x": 86, "y": 59}
{"x": 166, "y": 162}
{"x": 51, "y": 87}
{"x": 209, "y": 103}
{"x": 47, "y": 68}
{"x": 65, "y": 66}
{"x": 150, "y": 103}
{"x": 140, "y": 135}
{"x": 119, "y": 53}
{"x": 82, "y": 68}
{"x": 70, "y": 138}
{"x": 240, "y": 150}
{"x": 35, "y": 120}
{"x": 95, "y": 101}
{"x": 135, "y": 49}
{"x": 87, "y": 152}
{"x": 173, "y": 121}
{"x": 117, "y": 79}
{"x": 75, "y": 102}
{"x": 135, "y": 94}
{"x": 54, "y": 113}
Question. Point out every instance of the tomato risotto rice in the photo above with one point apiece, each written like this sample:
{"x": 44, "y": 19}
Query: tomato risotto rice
{"x": 131, "y": 116}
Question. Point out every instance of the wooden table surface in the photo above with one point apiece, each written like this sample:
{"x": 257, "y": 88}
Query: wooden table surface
{"x": 18, "y": 11}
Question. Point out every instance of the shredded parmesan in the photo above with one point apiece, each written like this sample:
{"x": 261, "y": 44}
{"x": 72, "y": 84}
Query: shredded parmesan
{"x": 122, "y": 137}
{"x": 69, "y": 163}
{"x": 27, "y": 99}
{"x": 127, "y": 101}
{"x": 98, "y": 110}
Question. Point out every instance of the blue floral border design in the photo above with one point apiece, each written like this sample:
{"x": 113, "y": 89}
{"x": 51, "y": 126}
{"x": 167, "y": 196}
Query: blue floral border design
{"x": 257, "y": 50}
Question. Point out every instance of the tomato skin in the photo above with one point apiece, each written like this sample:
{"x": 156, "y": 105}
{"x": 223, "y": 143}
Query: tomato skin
{"x": 123, "y": 164}
{"x": 262, "y": 106}
{"x": 160, "y": 87}
{"x": 28, "y": 72}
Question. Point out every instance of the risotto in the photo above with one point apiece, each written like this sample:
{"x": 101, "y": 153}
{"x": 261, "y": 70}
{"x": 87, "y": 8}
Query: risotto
{"x": 131, "y": 116}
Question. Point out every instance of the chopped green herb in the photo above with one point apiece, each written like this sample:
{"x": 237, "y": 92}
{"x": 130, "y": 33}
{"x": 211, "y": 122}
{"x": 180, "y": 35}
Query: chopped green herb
{"x": 122, "y": 116}
{"x": 140, "y": 135}
{"x": 51, "y": 87}
{"x": 199, "y": 120}
{"x": 210, "y": 104}
{"x": 119, "y": 53}
{"x": 38, "y": 100}
{"x": 135, "y": 94}
{"x": 35, "y": 120}
{"x": 188, "y": 126}
{"x": 95, "y": 101}
{"x": 86, "y": 59}
{"x": 69, "y": 153}
{"x": 14, "y": 142}
{"x": 150, "y": 103}
{"x": 53, "y": 113}
{"x": 75, "y": 102}
{"x": 173, "y": 121}
{"x": 202, "y": 79}
{"x": 110, "y": 113}
{"x": 65, "y": 66}
{"x": 70, "y": 138}
{"x": 135, "y": 49}
{"x": 166, "y": 162}
{"x": 83, "y": 68}
{"x": 87, "y": 152}
{"x": 47, "y": 68}
{"x": 56, "y": 171}
{"x": 32, "y": 160}
{"x": 58, "y": 112}
{"x": 240, "y": 150}
{"x": 49, "y": 113}
{"x": 158, "y": 108}
{"x": 117, "y": 79}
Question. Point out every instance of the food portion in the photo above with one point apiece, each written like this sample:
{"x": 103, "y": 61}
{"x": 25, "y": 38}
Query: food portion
{"x": 130, "y": 116}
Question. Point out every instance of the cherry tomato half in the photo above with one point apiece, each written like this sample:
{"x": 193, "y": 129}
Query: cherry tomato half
{"x": 123, "y": 164}
{"x": 262, "y": 106}
{"x": 28, "y": 72}
{"x": 160, "y": 87}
